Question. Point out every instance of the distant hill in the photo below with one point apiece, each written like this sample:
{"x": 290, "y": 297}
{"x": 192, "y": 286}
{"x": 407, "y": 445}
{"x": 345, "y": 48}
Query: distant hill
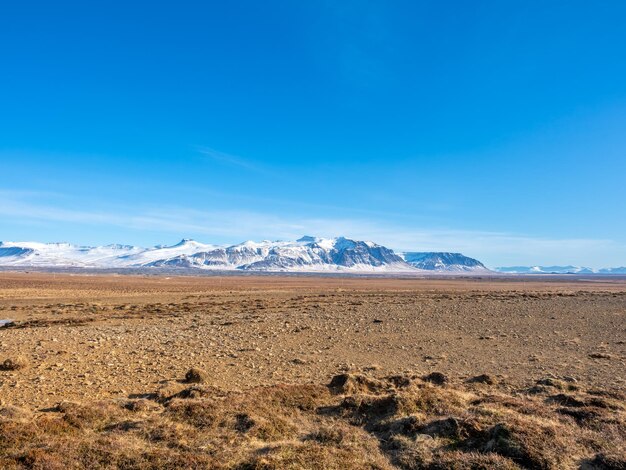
{"x": 558, "y": 270}
{"x": 443, "y": 262}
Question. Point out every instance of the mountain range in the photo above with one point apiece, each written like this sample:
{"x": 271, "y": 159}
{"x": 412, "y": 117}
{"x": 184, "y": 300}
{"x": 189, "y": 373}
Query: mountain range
{"x": 307, "y": 254}
{"x": 558, "y": 270}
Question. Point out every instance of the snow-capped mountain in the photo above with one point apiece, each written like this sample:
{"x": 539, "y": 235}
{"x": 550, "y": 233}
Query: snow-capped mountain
{"x": 306, "y": 254}
{"x": 546, "y": 270}
{"x": 558, "y": 270}
{"x": 620, "y": 270}
{"x": 448, "y": 262}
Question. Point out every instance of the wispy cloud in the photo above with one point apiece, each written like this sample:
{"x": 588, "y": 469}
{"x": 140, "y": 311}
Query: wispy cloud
{"x": 494, "y": 248}
{"x": 232, "y": 160}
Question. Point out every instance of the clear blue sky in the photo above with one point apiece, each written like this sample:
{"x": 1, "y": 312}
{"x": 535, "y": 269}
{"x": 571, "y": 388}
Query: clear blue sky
{"x": 493, "y": 128}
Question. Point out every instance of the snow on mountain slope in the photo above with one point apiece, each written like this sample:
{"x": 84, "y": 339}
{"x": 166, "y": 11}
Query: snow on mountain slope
{"x": 620, "y": 270}
{"x": 150, "y": 256}
{"x": 443, "y": 262}
{"x": 545, "y": 270}
{"x": 308, "y": 254}
{"x": 330, "y": 254}
{"x": 305, "y": 254}
{"x": 60, "y": 254}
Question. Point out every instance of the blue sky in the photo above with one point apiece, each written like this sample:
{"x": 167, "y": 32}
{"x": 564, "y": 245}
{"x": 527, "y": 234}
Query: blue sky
{"x": 493, "y": 128}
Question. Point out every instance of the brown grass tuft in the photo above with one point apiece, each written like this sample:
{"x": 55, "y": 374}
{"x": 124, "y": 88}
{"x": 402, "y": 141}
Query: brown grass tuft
{"x": 356, "y": 383}
{"x": 483, "y": 379}
{"x": 357, "y": 422}
{"x": 436, "y": 378}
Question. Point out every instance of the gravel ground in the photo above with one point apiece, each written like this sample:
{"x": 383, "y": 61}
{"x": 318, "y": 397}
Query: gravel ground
{"x": 99, "y": 336}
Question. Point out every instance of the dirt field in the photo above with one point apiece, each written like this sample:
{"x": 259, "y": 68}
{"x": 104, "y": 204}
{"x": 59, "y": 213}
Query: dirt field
{"x": 111, "y": 336}
{"x": 306, "y": 373}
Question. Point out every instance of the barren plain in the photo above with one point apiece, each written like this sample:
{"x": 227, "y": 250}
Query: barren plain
{"x": 114, "y": 338}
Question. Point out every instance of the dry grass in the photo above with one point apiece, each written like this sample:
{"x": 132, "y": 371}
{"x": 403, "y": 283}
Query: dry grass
{"x": 357, "y": 421}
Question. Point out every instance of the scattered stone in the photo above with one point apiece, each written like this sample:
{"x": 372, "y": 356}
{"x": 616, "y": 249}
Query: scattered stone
{"x": 14, "y": 363}
{"x": 196, "y": 376}
{"x": 600, "y": 356}
{"x": 551, "y": 382}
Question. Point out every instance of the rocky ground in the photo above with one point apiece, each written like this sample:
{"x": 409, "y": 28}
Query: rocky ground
{"x": 271, "y": 372}
{"x": 111, "y": 336}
